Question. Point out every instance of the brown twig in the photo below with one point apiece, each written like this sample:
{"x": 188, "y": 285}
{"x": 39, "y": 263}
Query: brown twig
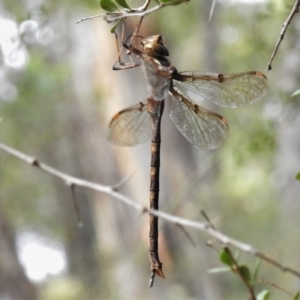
{"x": 75, "y": 202}
{"x": 210, "y": 242}
{"x": 205, "y": 216}
{"x": 236, "y": 268}
{"x": 227, "y": 241}
{"x": 275, "y": 286}
{"x": 285, "y": 25}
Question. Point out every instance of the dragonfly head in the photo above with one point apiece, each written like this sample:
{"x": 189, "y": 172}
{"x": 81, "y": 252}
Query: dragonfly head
{"x": 153, "y": 46}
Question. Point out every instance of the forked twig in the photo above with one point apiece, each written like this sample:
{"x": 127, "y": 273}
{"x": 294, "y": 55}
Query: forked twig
{"x": 205, "y": 216}
{"x": 209, "y": 243}
{"x": 139, "y": 12}
{"x": 227, "y": 241}
{"x": 285, "y": 25}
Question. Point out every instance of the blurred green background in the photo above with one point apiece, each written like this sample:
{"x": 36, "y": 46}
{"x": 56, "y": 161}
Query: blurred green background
{"x": 57, "y": 94}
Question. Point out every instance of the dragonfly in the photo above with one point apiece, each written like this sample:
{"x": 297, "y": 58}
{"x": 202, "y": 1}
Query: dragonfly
{"x": 203, "y": 128}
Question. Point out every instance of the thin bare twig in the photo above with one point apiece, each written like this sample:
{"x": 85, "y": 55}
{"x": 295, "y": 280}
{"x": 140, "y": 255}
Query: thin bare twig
{"x": 117, "y": 186}
{"x": 212, "y": 10}
{"x": 188, "y": 236}
{"x": 139, "y": 12}
{"x": 75, "y": 202}
{"x": 275, "y": 286}
{"x": 205, "y": 216}
{"x": 285, "y": 25}
{"x": 70, "y": 180}
{"x": 145, "y": 6}
{"x": 210, "y": 242}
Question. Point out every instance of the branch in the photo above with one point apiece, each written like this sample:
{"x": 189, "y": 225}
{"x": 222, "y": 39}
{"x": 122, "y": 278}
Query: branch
{"x": 73, "y": 181}
{"x": 139, "y": 12}
{"x": 285, "y": 25}
{"x": 236, "y": 268}
{"x": 70, "y": 180}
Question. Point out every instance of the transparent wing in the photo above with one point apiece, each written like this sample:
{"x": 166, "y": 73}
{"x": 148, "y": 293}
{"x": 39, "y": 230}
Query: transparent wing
{"x": 130, "y": 126}
{"x": 228, "y": 90}
{"x": 203, "y": 128}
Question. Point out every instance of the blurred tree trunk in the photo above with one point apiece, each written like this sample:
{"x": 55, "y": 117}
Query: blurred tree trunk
{"x": 13, "y": 282}
{"x": 105, "y": 243}
{"x": 79, "y": 152}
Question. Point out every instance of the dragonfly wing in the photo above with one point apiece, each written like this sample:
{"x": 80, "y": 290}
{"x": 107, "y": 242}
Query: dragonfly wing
{"x": 130, "y": 126}
{"x": 203, "y": 128}
{"x": 228, "y": 90}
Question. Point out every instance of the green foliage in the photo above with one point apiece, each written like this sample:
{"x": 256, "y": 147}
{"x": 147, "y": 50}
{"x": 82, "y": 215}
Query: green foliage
{"x": 225, "y": 258}
{"x": 245, "y": 273}
{"x": 298, "y": 176}
{"x": 297, "y": 92}
{"x": 296, "y": 296}
{"x": 123, "y": 3}
{"x": 264, "y": 295}
{"x": 108, "y": 5}
{"x": 113, "y": 29}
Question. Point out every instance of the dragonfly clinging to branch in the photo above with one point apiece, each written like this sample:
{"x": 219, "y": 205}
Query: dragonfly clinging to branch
{"x": 204, "y": 129}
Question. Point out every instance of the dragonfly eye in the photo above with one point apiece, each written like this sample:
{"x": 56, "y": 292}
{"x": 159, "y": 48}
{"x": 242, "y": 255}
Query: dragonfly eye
{"x": 153, "y": 48}
{"x": 160, "y": 49}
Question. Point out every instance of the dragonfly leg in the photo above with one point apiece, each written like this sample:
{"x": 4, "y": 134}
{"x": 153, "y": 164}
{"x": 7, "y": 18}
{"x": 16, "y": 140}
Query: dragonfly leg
{"x": 123, "y": 65}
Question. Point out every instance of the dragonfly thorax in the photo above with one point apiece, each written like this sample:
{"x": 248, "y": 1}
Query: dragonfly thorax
{"x": 158, "y": 77}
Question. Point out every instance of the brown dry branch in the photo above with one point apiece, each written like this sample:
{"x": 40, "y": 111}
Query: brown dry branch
{"x": 73, "y": 181}
{"x": 285, "y": 25}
